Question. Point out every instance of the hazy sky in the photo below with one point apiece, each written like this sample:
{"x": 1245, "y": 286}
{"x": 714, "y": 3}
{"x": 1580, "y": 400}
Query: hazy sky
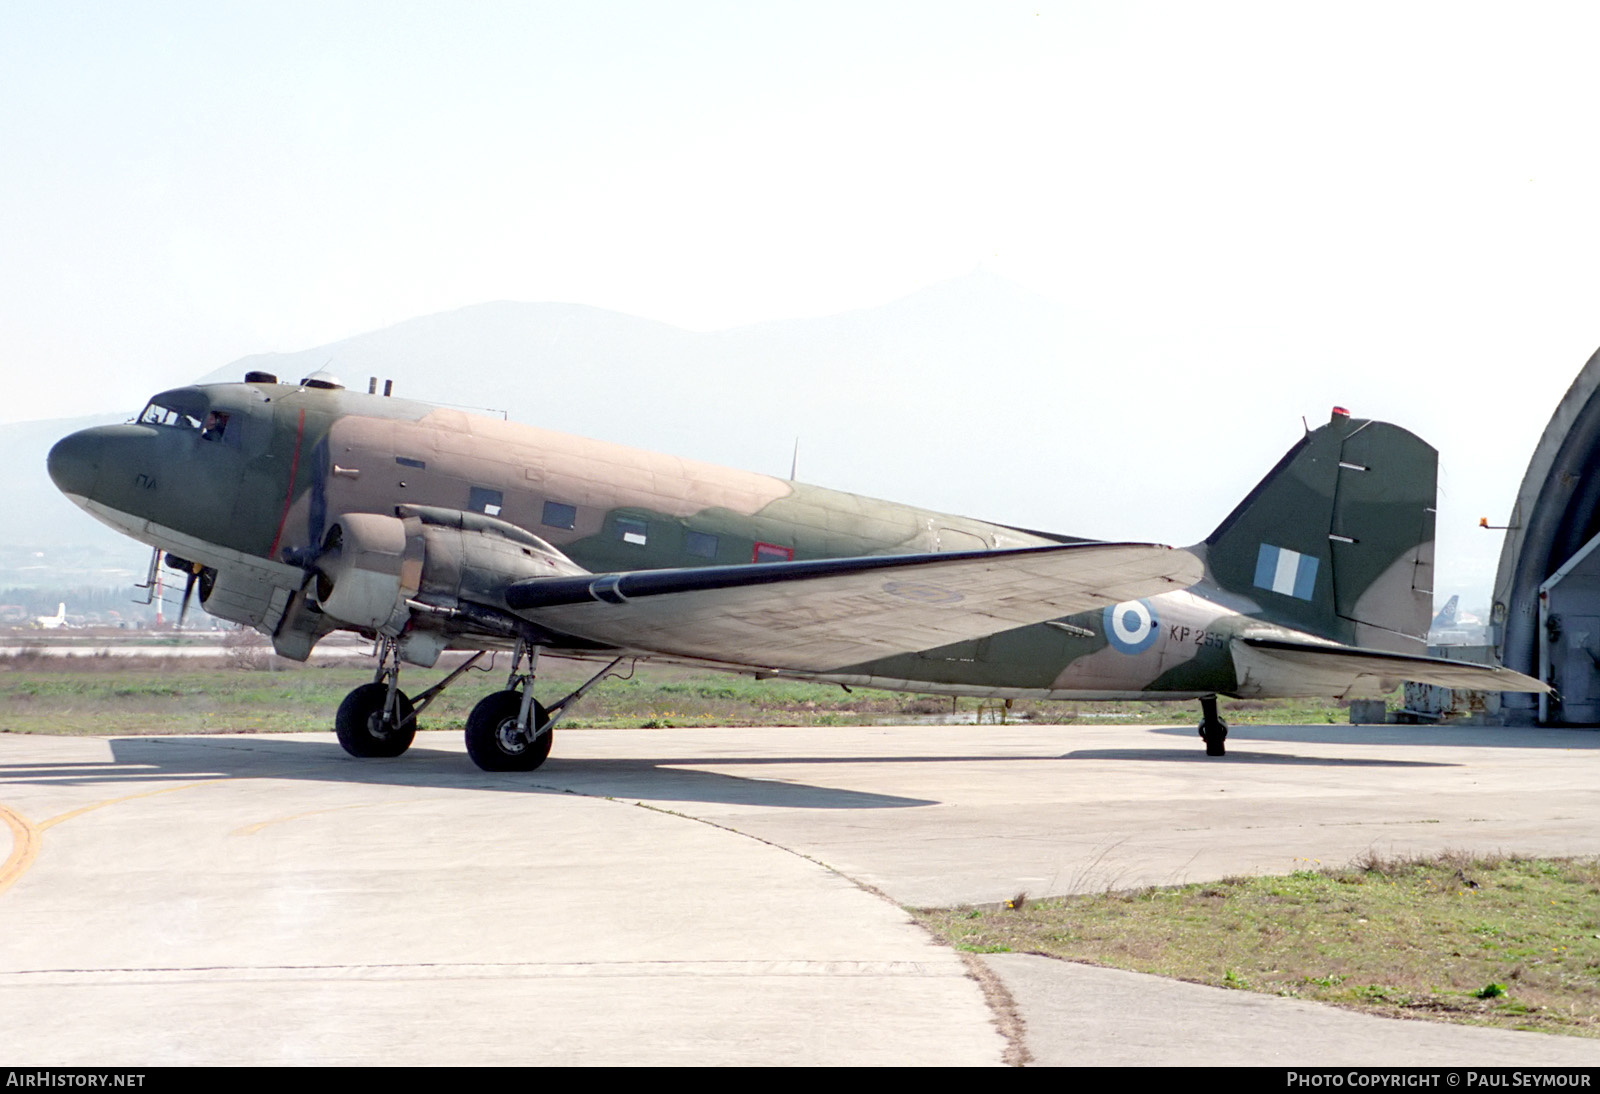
{"x": 1272, "y": 206}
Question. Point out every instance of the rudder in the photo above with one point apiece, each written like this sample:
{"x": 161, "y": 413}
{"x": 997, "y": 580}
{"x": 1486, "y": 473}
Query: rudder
{"x": 1337, "y": 540}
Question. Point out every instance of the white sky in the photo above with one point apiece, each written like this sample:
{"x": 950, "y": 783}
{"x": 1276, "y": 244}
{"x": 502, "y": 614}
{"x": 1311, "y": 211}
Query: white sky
{"x": 1276, "y": 206}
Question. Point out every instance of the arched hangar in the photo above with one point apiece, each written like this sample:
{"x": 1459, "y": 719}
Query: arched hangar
{"x": 1546, "y": 615}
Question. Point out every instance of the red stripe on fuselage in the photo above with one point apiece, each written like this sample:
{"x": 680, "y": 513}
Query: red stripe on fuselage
{"x": 294, "y": 466}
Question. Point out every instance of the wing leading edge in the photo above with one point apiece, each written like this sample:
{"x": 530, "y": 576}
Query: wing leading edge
{"x": 824, "y": 614}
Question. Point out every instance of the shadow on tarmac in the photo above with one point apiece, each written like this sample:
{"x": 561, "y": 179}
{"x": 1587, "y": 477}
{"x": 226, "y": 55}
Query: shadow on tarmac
{"x": 185, "y": 759}
{"x": 1424, "y": 736}
{"x": 162, "y": 759}
{"x": 1236, "y": 757}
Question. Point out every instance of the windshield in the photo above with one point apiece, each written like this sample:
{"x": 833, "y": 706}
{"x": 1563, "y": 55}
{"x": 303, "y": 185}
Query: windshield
{"x": 191, "y": 410}
{"x": 157, "y": 414}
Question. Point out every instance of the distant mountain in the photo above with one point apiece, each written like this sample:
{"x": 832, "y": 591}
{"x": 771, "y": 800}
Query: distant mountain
{"x": 35, "y": 512}
{"x": 960, "y": 397}
{"x": 45, "y": 540}
{"x": 878, "y": 397}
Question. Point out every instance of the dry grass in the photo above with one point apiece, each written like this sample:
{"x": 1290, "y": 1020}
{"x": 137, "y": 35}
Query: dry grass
{"x": 1508, "y": 942}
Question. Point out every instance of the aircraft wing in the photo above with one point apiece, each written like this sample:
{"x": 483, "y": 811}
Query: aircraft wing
{"x": 1312, "y": 661}
{"x": 827, "y": 613}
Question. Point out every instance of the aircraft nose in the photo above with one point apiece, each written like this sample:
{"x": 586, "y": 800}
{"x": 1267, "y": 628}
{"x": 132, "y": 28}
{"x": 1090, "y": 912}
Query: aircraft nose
{"x": 74, "y": 463}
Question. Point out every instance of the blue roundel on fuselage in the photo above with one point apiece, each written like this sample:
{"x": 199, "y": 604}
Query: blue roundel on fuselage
{"x": 1132, "y": 626}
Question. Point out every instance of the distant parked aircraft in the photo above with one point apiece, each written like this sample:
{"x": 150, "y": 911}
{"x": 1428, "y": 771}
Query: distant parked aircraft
{"x": 1452, "y": 627}
{"x": 52, "y": 622}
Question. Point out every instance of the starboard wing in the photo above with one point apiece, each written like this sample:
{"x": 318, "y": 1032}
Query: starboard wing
{"x": 818, "y": 615}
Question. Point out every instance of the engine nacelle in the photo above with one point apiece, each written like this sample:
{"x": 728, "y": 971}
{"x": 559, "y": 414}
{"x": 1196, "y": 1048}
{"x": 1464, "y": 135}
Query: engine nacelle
{"x": 375, "y": 572}
{"x": 244, "y": 595}
{"x": 369, "y": 567}
{"x": 472, "y": 557}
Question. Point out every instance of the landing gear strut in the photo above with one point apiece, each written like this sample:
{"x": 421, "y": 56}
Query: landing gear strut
{"x": 378, "y": 719}
{"x": 1213, "y": 730}
{"x": 511, "y": 731}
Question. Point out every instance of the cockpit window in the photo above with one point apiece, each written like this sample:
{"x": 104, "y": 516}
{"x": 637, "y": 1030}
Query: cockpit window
{"x": 156, "y": 414}
{"x": 215, "y": 426}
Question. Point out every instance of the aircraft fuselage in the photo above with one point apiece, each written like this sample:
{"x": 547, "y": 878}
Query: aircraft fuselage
{"x": 244, "y": 481}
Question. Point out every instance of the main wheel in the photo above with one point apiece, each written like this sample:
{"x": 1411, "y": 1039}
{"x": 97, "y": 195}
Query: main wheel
{"x": 495, "y": 743}
{"x": 361, "y": 727}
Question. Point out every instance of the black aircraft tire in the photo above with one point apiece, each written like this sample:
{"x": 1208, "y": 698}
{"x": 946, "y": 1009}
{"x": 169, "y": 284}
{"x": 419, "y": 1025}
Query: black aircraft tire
{"x": 1215, "y": 739}
{"x": 492, "y": 740}
{"x": 358, "y": 723}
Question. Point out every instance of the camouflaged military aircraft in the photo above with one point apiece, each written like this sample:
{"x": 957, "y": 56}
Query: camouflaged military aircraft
{"x": 304, "y": 509}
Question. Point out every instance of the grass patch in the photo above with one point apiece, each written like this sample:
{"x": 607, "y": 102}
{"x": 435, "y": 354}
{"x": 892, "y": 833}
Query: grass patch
{"x": 247, "y": 690}
{"x": 1503, "y": 942}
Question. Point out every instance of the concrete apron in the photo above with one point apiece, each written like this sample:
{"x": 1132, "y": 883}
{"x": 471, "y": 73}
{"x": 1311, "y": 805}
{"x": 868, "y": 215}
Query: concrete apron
{"x": 700, "y": 896}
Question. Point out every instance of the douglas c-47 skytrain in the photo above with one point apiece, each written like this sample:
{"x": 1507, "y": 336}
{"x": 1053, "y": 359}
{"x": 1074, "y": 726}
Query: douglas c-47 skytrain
{"x": 303, "y": 509}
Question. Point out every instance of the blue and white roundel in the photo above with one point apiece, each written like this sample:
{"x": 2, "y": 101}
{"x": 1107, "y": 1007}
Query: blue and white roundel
{"x": 1132, "y": 626}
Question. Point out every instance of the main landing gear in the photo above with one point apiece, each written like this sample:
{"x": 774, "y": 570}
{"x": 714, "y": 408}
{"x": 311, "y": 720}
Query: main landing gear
{"x": 378, "y": 719}
{"x": 512, "y": 731}
{"x": 1213, "y": 730}
{"x": 507, "y": 731}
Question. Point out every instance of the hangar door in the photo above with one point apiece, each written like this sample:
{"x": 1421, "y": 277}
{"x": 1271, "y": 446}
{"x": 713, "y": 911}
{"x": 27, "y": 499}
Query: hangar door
{"x": 1569, "y": 640}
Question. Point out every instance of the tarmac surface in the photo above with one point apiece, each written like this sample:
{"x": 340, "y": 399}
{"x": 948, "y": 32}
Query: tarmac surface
{"x": 721, "y": 896}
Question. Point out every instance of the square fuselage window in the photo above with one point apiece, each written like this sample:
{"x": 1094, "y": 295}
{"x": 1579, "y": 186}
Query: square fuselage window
{"x": 700, "y": 544}
{"x": 632, "y": 531}
{"x": 486, "y": 501}
{"x": 557, "y": 515}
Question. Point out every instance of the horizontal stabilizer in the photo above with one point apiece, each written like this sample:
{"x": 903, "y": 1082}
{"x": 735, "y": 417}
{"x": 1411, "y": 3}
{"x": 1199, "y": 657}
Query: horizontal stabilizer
{"x": 818, "y": 615}
{"x": 1312, "y": 662}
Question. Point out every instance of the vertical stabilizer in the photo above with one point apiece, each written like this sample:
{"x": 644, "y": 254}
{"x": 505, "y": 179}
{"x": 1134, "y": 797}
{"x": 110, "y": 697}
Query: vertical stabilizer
{"x": 1337, "y": 540}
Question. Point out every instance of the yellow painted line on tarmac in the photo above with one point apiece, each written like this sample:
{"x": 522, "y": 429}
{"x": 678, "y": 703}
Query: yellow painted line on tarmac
{"x": 24, "y": 846}
{"x": 252, "y": 829}
{"x": 27, "y": 836}
{"x": 92, "y": 806}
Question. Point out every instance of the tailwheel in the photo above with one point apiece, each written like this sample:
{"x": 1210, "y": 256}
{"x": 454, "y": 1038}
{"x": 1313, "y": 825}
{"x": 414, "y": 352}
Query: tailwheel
{"x": 366, "y": 727}
{"x": 495, "y": 740}
{"x": 1213, "y": 730}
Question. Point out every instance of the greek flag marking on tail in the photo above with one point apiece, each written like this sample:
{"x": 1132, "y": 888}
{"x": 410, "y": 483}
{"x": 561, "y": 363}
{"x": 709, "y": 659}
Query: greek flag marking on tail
{"x": 1287, "y": 572}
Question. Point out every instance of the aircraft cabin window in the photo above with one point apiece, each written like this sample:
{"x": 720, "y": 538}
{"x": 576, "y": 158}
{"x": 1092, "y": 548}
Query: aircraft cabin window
{"x": 486, "y": 501}
{"x": 407, "y": 461}
{"x": 633, "y": 531}
{"x": 557, "y": 515}
{"x": 771, "y": 552}
{"x": 700, "y": 544}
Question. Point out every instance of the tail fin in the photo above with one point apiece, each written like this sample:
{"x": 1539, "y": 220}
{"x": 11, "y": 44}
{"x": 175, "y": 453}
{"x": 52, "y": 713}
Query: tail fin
{"x": 1447, "y": 614}
{"x": 1337, "y": 540}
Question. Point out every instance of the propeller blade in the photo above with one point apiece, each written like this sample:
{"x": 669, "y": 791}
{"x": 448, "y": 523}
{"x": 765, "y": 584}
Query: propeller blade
{"x": 188, "y": 591}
